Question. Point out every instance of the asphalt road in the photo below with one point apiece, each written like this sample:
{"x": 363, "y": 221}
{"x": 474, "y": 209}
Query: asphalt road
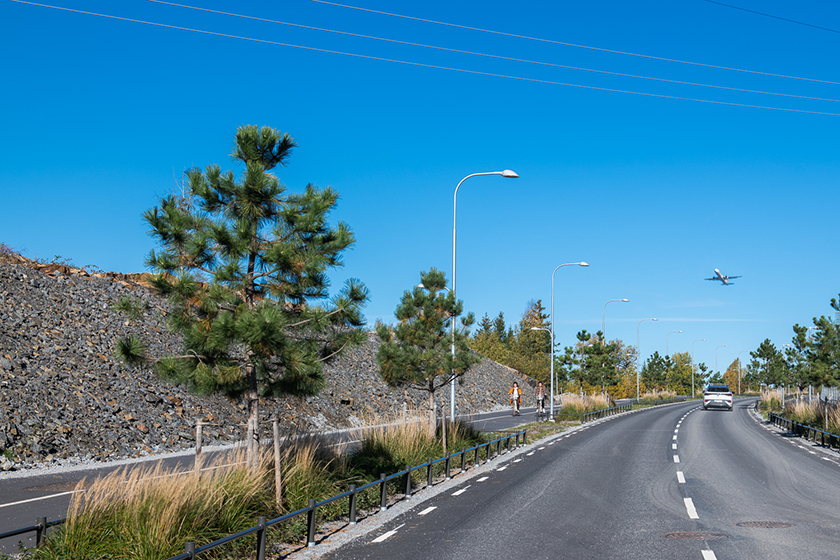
{"x": 24, "y": 499}
{"x": 670, "y": 482}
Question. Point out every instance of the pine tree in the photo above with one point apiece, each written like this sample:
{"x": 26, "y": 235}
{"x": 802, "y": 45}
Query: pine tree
{"x": 416, "y": 352}
{"x": 244, "y": 265}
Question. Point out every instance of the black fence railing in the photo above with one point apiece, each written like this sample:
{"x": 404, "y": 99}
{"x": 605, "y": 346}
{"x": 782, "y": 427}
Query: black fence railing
{"x": 826, "y": 439}
{"x": 603, "y": 413}
{"x": 492, "y": 449}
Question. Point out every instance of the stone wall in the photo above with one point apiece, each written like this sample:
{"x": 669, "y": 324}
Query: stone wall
{"x": 62, "y": 394}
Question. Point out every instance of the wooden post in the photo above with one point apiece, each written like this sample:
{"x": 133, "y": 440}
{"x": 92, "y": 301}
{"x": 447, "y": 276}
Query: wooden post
{"x": 278, "y": 476}
{"x": 249, "y": 444}
{"x": 199, "y": 426}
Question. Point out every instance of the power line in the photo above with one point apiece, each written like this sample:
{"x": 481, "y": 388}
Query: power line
{"x": 494, "y": 56}
{"x": 422, "y": 65}
{"x": 553, "y": 42}
{"x": 774, "y": 17}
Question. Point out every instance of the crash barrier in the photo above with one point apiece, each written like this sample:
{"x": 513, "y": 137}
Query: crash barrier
{"x": 808, "y": 432}
{"x": 604, "y": 412}
{"x": 492, "y": 449}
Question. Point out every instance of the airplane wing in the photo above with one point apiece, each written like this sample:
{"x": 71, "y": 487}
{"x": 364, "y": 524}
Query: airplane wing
{"x": 712, "y": 278}
{"x": 732, "y": 277}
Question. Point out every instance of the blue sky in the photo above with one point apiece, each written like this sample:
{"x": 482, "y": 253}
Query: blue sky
{"x": 101, "y": 116}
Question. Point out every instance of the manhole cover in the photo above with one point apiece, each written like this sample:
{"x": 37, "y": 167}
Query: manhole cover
{"x": 695, "y": 536}
{"x": 765, "y": 524}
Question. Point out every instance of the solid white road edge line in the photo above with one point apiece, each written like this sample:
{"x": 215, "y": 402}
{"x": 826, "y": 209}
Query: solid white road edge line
{"x": 36, "y": 499}
{"x": 689, "y": 506}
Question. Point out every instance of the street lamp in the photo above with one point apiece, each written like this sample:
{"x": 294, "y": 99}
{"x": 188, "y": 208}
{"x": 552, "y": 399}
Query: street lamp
{"x": 582, "y": 263}
{"x": 668, "y": 354}
{"x": 716, "y": 361}
{"x": 639, "y": 355}
{"x": 739, "y": 369}
{"x": 604, "y": 317}
{"x": 693, "y": 393}
{"x": 507, "y": 173}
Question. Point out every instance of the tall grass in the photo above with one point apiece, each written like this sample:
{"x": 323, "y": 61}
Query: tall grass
{"x": 575, "y": 404}
{"x": 817, "y": 414}
{"x": 150, "y": 512}
{"x": 657, "y": 395}
{"x": 771, "y": 398}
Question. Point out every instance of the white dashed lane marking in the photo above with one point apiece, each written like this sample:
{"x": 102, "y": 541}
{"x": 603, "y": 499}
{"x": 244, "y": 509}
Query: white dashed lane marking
{"x": 689, "y": 506}
{"x": 384, "y": 536}
{"x": 676, "y": 459}
{"x": 680, "y": 477}
{"x": 541, "y": 448}
{"x": 482, "y": 479}
{"x": 531, "y": 453}
{"x": 427, "y": 510}
{"x": 501, "y": 468}
{"x": 708, "y": 555}
{"x": 461, "y": 491}
{"x": 673, "y": 446}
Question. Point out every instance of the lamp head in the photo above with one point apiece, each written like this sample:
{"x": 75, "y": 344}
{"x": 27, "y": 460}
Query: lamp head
{"x": 583, "y": 263}
{"x": 625, "y": 300}
{"x": 510, "y": 174}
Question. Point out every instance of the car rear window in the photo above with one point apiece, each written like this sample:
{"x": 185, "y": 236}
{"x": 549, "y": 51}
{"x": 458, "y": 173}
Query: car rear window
{"x": 718, "y": 389}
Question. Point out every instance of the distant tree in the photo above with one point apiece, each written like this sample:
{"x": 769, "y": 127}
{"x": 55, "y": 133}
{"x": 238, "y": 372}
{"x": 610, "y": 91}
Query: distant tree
{"x": 501, "y": 329}
{"x": 730, "y": 376}
{"x": 244, "y": 265}
{"x": 679, "y": 373}
{"x": 655, "y": 371}
{"x": 826, "y": 349}
{"x": 701, "y": 376}
{"x": 416, "y": 351}
{"x": 768, "y": 364}
{"x": 529, "y": 350}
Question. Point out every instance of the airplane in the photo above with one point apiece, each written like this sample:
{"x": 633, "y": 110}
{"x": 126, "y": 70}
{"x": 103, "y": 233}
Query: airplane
{"x": 725, "y": 280}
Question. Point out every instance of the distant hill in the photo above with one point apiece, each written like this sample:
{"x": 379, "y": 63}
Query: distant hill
{"x": 62, "y": 394}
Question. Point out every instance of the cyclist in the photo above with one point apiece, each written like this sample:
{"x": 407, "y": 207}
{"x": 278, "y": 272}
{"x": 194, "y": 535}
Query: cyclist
{"x": 515, "y": 398}
{"x": 539, "y": 393}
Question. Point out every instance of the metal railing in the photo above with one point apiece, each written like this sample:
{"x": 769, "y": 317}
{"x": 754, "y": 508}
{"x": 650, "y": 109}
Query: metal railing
{"x": 808, "y": 432}
{"x": 603, "y": 413}
{"x": 311, "y": 510}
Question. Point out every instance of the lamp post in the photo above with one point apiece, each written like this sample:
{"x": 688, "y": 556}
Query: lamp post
{"x": 582, "y": 263}
{"x": 507, "y": 173}
{"x": 739, "y": 369}
{"x": 693, "y": 393}
{"x": 716, "y": 361}
{"x": 639, "y": 355}
{"x": 604, "y": 317}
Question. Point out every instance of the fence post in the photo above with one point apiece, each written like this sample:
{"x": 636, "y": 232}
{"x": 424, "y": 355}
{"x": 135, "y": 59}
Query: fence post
{"x": 189, "y": 548}
{"x": 310, "y": 524}
{"x": 448, "y": 465}
{"x": 477, "y": 450}
{"x": 463, "y": 460}
{"x": 498, "y": 447}
{"x": 41, "y": 531}
{"x": 429, "y": 473}
{"x": 508, "y": 443}
{"x": 524, "y": 437}
{"x": 261, "y": 539}
{"x": 383, "y": 501}
{"x": 352, "y": 513}
{"x": 408, "y": 481}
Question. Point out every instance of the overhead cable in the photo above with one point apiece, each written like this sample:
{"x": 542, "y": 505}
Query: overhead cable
{"x": 774, "y": 17}
{"x": 422, "y": 65}
{"x": 494, "y": 56}
{"x": 551, "y": 41}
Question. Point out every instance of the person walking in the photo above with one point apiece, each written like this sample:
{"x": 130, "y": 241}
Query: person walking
{"x": 539, "y": 393}
{"x": 515, "y": 398}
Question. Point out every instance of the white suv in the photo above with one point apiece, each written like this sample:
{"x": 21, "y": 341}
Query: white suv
{"x": 717, "y": 396}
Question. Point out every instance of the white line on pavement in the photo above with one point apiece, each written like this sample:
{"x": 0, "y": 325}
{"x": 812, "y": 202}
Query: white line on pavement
{"x": 531, "y": 453}
{"x": 689, "y": 506}
{"x": 482, "y": 479}
{"x": 461, "y": 491}
{"x": 673, "y": 446}
{"x": 501, "y": 468}
{"x": 680, "y": 477}
{"x": 708, "y": 555}
{"x": 516, "y": 460}
{"x": 676, "y": 458}
{"x": 384, "y": 536}
{"x": 427, "y": 510}
{"x": 675, "y": 437}
{"x": 541, "y": 448}
{"x": 36, "y": 499}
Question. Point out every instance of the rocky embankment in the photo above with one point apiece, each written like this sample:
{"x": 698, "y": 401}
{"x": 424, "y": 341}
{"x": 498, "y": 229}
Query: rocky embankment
{"x": 62, "y": 394}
